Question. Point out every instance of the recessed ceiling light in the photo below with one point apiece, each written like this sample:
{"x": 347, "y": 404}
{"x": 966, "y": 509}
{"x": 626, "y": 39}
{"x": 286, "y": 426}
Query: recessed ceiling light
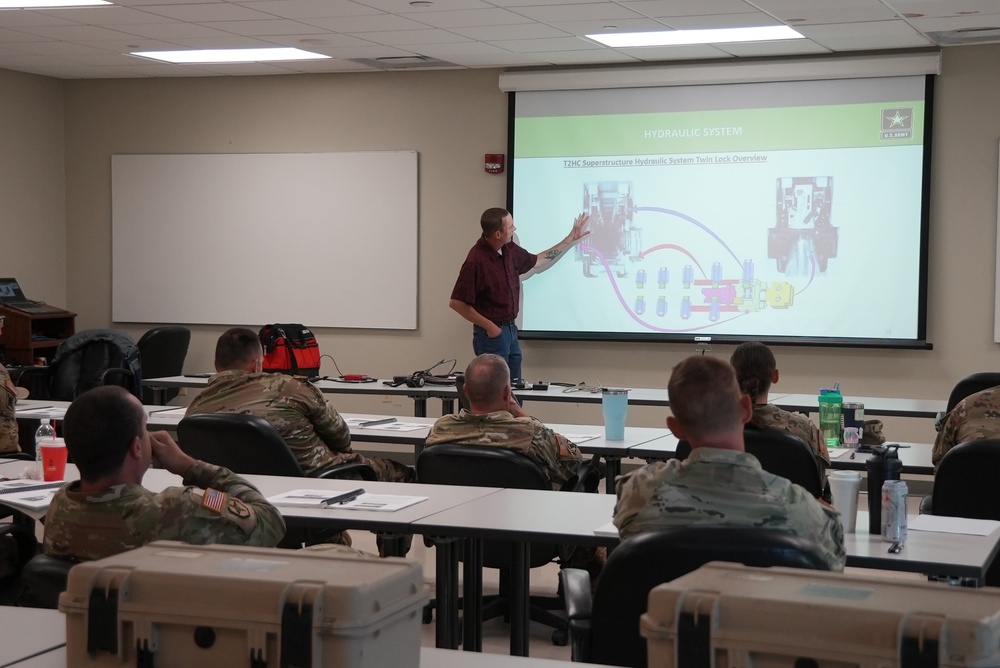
{"x": 51, "y": 4}
{"x": 230, "y": 55}
{"x": 709, "y": 36}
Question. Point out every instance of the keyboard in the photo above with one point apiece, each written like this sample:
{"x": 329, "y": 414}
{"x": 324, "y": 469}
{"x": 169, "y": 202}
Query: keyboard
{"x": 33, "y": 307}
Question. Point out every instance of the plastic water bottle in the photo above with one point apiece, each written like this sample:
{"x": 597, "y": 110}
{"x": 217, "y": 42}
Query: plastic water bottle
{"x": 45, "y": 432}
{"x": 830, "y": 403}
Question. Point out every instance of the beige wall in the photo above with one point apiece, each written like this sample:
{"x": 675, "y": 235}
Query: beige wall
{"x": 33, "y": 185}
{"x": 452, "y": 119}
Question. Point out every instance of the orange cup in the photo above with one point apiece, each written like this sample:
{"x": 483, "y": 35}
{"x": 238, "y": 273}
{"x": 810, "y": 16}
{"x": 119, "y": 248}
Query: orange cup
{"x": 53, "y": 460}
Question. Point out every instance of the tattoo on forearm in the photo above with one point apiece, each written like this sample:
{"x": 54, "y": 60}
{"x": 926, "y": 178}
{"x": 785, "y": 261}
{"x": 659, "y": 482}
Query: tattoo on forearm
{"x": 553, "y": 254}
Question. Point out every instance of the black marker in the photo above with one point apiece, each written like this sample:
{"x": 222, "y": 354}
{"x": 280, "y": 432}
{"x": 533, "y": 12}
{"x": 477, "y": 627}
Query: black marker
{"x": 895, "y": 548}
{"x": 346, "y": 497}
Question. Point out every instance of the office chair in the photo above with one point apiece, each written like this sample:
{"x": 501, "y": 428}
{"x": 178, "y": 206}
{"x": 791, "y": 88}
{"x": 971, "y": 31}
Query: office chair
{"x": 162, "y": 351}
{"x": 463, "y": 399}
{"x": 971, "y": 384}
{"x": 35, "y": 379}
{"x": 22, "y": 531}
{"x": 44, "y": 578}
{"x": 965, "y": 485}
{"x": 488, "y": 466}
{"x": 604, "y": 628}
{"x": 251, "y": 445}
{"x": 779, "y": 453}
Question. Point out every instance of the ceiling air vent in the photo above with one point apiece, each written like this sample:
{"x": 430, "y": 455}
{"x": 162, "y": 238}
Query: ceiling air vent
{"x": 966, "y": 36}
{"x": 406, "y": 63}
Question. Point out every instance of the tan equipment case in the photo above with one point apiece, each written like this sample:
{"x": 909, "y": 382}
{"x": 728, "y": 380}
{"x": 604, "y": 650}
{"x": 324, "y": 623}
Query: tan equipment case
{"x": 170, "y": 604}
{"x": 733, "y": 616}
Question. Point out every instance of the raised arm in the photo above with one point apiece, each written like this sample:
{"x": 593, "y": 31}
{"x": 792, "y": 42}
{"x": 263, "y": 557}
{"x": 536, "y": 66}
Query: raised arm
{"x": 549, "y": 257}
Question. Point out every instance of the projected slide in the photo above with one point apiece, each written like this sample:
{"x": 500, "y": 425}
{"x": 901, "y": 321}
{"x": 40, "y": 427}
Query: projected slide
{"x": 773, "y": 219}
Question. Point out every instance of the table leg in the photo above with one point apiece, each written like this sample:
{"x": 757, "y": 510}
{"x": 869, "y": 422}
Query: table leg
{"x": 446, "y": 591}
{"x": 447, "y": 406}
{"x": 520, "y": 589}
{"x": 472, "y": 596}
{"x": 612, "y": 469}
{"x": 419, "y": 406}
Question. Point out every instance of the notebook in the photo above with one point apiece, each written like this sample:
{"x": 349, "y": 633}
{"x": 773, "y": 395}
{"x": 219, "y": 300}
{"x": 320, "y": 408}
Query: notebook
{"x": 11, "y": 296}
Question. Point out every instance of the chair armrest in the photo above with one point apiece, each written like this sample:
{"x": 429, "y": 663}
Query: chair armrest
{"x": 121, "y": 377}
{"x": 576, "y": 593}
{"x": 587, "y": 478}
{"x": 23, "y": 456}
{"x": 354, "y": 470}
{"x": 925, "y": 505}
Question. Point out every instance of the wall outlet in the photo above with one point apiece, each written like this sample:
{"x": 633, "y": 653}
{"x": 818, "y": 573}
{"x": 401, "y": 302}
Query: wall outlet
{"x": 386, "y": 399}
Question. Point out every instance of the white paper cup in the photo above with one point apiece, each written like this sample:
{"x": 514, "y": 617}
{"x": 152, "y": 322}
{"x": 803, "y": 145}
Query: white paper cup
{"x": 845, "y": 486}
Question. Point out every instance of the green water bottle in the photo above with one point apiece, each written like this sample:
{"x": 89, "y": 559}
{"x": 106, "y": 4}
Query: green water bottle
{"x": 830, "y": 404}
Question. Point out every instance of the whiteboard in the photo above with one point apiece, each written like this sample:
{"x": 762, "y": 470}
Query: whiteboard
{"x": 325, "y": 239}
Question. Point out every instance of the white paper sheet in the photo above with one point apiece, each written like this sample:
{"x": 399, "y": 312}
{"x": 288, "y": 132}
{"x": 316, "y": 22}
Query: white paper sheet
{"x": 943, "y": 524}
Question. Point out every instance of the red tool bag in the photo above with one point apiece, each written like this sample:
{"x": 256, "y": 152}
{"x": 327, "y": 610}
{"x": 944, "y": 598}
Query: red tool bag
{"x": 289, "y": 348}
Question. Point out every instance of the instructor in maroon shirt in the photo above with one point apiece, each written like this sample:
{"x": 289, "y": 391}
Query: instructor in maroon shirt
{"x": 488, "y": 290}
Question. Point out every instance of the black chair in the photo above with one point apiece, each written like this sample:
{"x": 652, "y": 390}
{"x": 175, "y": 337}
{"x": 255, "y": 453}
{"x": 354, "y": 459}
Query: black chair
{"x": 779, "y": 453}
{"x": 22, "y": 531}
{"x": 488, "y": 466}
{"x": 605, "y": 628}
{"x": 251, "y": 445}
{"x": 162, "y": 351}
{"x": 463, "y": 399}
{"x": 976, "y": 382}
{"x": 44, "y": 578}
{"x": 965, "y": 485}
{"x": 35, "y": 379}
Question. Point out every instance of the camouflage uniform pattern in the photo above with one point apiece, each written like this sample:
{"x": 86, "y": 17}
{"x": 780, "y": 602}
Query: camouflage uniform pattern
{"x": 795, "y": 424}
{"x": 315, "y": 432}
{"x": 8, "y": 422}
{"x": 724, "y": 487}
{"x": 501, "y": 429}
{"x": 128, "y": 516}
{"x": 973, "y": 418}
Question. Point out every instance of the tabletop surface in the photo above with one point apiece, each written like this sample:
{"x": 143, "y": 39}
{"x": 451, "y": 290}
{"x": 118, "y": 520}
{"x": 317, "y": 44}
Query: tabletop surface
{"x": 34, "y": 630}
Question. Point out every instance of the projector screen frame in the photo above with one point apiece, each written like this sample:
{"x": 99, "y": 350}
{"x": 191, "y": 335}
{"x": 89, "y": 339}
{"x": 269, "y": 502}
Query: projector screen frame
{"x": 918, "y": 342}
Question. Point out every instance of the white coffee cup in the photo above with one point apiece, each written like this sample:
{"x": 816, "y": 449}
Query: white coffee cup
{"x": 845, "y": 486}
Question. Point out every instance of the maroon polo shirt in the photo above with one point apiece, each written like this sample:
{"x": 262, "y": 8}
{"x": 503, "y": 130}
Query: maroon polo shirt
{"x": 491, "y": 282}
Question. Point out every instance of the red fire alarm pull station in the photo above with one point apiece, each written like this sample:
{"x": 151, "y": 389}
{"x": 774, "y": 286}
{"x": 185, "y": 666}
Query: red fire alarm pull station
{"x": 494, "y": 163}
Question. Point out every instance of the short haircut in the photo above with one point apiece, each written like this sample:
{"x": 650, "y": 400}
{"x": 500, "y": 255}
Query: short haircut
{"x": 485, "y": 378}
{"x": 754, "y": 364}
{"x": 492, "y": 220}
{"x": 236, "y": 348}
{"x": 704, "y": 396}
{"x": 99, "y": 427}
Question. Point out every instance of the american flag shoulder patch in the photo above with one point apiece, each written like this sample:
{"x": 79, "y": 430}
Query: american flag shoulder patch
{"x": 215, "y": 500}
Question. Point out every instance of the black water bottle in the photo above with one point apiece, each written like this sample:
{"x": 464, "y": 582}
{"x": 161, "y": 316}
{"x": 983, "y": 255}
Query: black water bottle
{"x": 883, "y": 465}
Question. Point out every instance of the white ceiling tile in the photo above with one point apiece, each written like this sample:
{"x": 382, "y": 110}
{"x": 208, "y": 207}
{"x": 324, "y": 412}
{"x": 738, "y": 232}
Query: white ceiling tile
{"x": 258, "y": 28}
{"x": 509, "y": 60}
{"x": 778, "y": 6}
{"x": 593, "y": 11}
{"x": 413, "y": 37}
{"x": 956, "y": 23}
{"x": 797, "y": 17}
{"x": 78, "y": 32}
{"x": 543, "y": 45}
{"x": 401, "y": 6}
{"x": 131, "y": 44}
{"x": 469, "y": 18}
{"x": 788, "y": 47}
{"x": 535, "y": 3}
{"x": 940, "y": 8}
{"x": 722, "y": 21}
{"x": 670, "y": 8}
{"x": 175, "y": 30}
{"x": 602, "y": 27}
{"x": 231, "y": 42}
{"x": 371, "y": 23}
{"x": 103, "y": 16}
{"x": 895, "y": 34}
{"x": 315, "y": 42}
{"x": 588, "y": 57}
{"x": 14, "y": 19}
{"x": 216, "y": 11}
{"x": 78, "y": 50}
{"x": 331, "y": 65}
{"x": 691, "y": 52}
{"x": 311, "y": 9}
{"x": 371, "y": 51}
{"x": 14, "y": 36}
{"x": 526, "y": 31}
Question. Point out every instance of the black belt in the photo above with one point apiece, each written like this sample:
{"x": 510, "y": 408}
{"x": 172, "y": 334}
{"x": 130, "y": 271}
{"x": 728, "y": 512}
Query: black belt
{"x": 503, "y": 323}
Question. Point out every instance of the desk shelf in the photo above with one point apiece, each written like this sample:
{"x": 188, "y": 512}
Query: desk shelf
{"x": 19, "y": 338}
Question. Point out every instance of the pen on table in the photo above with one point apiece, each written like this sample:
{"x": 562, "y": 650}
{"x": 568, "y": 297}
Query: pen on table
{"x": 346, "y": 497}
{"x": 375, "y": 423}
{"x": 895, "y": 548}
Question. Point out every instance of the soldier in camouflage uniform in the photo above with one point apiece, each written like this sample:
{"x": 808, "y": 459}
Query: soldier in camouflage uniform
{"x": 719, "y": 483}
{"x": 496, "y": 419}
{"x": 973, "y": 418}
{"x": 109, "y": 511}
{"x": 317, "y": 435}
{"x": 9, "y": 395}
{"x": 756, "y": 371}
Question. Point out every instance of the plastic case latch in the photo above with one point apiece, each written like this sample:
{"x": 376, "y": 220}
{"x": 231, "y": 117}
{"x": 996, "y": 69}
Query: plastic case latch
{"x": 302, "y": 605}
{"x": 102, "y": 621}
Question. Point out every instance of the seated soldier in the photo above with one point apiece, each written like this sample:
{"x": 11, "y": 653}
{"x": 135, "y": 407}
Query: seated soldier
{"x": 719, "y": 483}
{"x": 316, "y": 434}
{"x": 9, "y": 394}
{"x": 973, "y": 418}
{"x": 756, "y": 370}
{"x": 109, "y": 511}
{"x": 496, "y": 419}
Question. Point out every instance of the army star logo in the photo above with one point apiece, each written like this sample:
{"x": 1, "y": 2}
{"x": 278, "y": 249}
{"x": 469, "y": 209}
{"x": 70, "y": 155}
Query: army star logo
{"x": 238, "y": 508}
{"x": 897, "y": 123}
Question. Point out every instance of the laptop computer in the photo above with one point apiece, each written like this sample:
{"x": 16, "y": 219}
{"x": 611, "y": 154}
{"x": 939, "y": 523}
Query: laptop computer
{"x": 11, "y": 296}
